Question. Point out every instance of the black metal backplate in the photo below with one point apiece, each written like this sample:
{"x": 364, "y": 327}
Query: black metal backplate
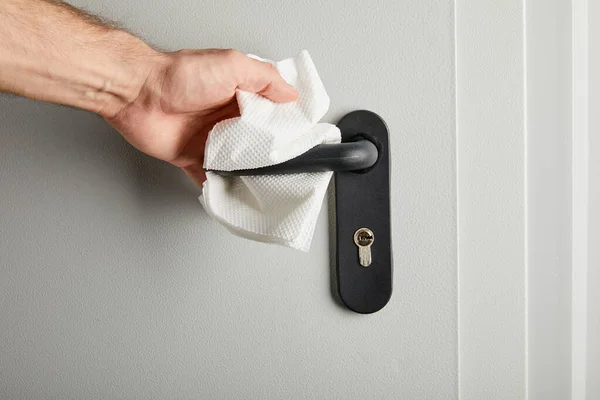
{"x": 363, "y": 201}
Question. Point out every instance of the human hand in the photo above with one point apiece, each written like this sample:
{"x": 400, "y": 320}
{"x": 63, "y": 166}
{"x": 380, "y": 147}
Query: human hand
{"x": 185, "y": 94}
{"x": 162, "y": 103}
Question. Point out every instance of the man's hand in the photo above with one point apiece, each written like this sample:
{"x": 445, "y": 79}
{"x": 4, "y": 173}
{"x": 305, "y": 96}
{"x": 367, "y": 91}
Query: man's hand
{"x": 163, "y": 103}
{"x": 185, "y": 95}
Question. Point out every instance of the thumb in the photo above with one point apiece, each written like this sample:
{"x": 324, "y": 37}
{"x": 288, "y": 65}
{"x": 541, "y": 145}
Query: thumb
{"x": 263, "y": 78}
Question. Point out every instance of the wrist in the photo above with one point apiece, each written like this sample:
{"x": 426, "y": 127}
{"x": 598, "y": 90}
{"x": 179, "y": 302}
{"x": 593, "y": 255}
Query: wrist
{"x": 132, "y": 65}
{"x": 69, "y": 58}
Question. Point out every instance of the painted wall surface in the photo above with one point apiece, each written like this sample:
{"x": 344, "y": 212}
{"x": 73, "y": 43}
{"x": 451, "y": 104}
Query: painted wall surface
{"x": 115, "y": 284}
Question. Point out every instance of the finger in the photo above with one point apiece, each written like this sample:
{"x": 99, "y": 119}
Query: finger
{"x": 263, "y": 78}
{"x": 196, "y": 140}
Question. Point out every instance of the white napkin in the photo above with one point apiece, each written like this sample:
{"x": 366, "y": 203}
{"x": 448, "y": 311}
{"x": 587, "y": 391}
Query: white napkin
{"x": 281, "y": 209}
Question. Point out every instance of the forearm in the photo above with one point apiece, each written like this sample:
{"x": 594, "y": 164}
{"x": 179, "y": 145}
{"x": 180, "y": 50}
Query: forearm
{"x": 52, "y": 52}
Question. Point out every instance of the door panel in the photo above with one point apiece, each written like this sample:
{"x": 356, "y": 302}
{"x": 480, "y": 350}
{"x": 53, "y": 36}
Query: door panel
{"x": 115, "y": 283}
{"x": 491, "y": 197}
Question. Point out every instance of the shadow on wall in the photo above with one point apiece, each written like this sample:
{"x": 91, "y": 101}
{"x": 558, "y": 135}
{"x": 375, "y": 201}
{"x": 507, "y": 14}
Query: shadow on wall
{"x": 43, "y": 144}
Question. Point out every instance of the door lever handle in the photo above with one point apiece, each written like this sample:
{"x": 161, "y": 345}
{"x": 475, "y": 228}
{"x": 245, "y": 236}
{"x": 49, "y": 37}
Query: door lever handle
{"x": 362, "y": 206}
{"x": 356, "y": 155}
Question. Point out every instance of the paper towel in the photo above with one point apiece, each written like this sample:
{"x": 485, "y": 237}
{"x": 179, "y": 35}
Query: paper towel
{"x": 281, "y": 209}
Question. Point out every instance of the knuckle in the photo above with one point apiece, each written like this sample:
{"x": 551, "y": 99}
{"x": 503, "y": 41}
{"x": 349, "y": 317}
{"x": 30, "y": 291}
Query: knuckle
{"x": 232, "y": 54}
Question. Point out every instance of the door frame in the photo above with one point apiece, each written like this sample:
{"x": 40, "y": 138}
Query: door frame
{"x": 528, "y": 74}
{"x": 563, "y": 218}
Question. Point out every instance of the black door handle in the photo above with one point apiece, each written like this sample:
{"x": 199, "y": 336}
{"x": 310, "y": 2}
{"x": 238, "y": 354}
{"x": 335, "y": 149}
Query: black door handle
{"x": 362, "y": 190}
{"x": 348, "y": 156}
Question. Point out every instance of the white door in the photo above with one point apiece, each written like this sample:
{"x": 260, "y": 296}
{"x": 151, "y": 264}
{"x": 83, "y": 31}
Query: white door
{"x": 114, "y": 284}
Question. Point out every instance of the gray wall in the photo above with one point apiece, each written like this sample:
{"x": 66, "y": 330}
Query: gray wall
{"x": 115, "y": 284}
